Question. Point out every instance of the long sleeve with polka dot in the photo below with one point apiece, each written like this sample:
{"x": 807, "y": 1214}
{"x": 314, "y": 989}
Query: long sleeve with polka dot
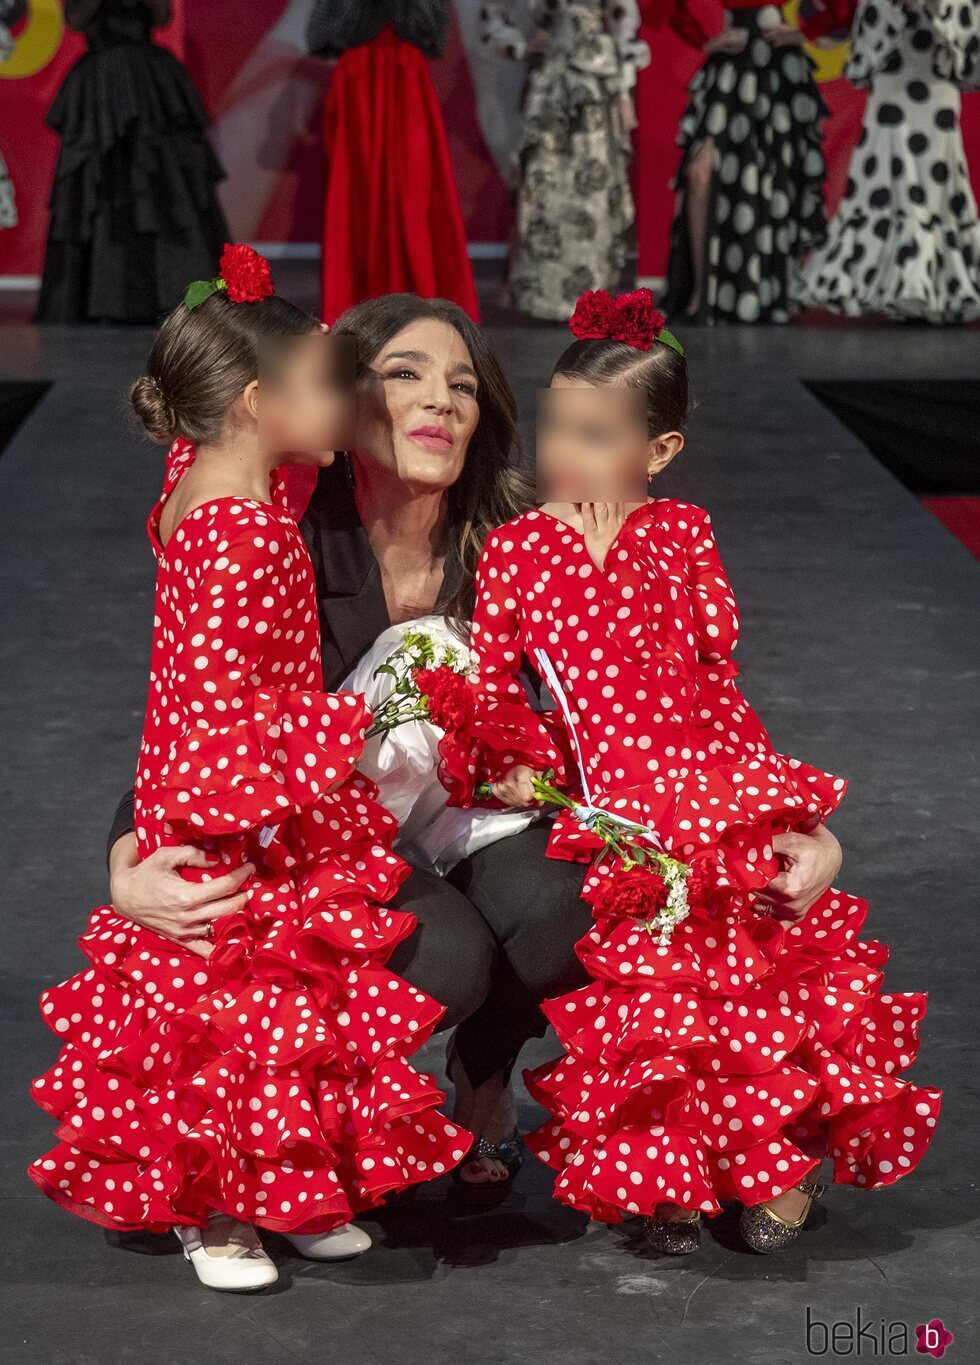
{"x": 260, "y": 740}
{"x": 270, "y": 1080}
{"x": 716, "y": 619}
{"x": 640, "y": 649}
{"x": 507, "y": 731}
{"x": 723, "y": 1062}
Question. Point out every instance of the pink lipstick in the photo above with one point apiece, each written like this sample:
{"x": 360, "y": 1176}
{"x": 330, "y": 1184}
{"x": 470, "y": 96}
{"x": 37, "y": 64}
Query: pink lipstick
{"x": 433, "y": 438}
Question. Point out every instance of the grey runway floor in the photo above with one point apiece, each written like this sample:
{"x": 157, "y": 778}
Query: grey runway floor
{"x": 860, "y": 650}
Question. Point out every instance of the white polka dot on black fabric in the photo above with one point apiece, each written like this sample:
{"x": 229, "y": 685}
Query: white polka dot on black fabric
{"x": 762, "y": 110}
{"x": 905, "y": 240}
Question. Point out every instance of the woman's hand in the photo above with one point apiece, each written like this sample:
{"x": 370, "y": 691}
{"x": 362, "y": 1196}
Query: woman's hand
{"x": 784, "y": 35}
{"x": 154, "y": 894}
{"x": 729, "y": 41}
{"x": 515, "y": 789}
{"x": 809, "y": 863}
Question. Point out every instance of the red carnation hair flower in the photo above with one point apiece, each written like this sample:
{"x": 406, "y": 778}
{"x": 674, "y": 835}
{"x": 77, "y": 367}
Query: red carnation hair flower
{"x": 245, "y": 273}
{"x": 638, "y": 322}
{"x": 630, "y": 318}
{"x": 593, "y": 316}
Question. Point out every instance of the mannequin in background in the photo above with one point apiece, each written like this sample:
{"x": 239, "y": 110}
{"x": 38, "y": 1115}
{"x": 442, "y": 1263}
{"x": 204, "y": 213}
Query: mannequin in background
{"x": 392, "y": 221}
{"x": 134, "y": 208}
{"x": 574, "y": 211}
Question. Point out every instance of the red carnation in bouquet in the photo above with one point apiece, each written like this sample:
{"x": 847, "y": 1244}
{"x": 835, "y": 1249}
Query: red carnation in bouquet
{"x": 633, "y": 893}
{"x": 448, "y": 698}
{"x": 245, "y": 273}
{"x": 637, "y": 321}
{"x": 700, "y": 882}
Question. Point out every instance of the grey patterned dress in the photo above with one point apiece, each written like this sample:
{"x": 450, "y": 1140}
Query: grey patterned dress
{"x": 574, "y": 211}
{"x": 8, "y": 205}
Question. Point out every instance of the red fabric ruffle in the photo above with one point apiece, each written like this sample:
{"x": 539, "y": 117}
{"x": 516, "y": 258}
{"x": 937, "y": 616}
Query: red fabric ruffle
{"x": 726, "y": 1063}
{"x": 690, "y": 1085}
{"x": 284, "y": 754}
{"x": 702, "y": 814}
{"x": 270, "y": 1081}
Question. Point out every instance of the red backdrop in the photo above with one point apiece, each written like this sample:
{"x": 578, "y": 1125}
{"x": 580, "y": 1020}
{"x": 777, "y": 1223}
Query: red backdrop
{"x": 266, "y": 96}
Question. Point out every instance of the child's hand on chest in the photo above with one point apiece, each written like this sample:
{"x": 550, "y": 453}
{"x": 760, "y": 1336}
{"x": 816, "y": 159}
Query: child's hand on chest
{"x": 601, "y": 524}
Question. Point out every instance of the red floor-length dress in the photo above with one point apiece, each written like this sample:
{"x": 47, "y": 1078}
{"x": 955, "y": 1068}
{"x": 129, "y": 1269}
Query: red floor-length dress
{"x": 270, "y": 1081}
{"x": 392, "y": 221}
{"x": 727, "y": 1062}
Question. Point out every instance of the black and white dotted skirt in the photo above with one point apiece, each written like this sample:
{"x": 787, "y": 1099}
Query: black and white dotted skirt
{"x": 905, "y": 240}
{"x": 763, "y": 111}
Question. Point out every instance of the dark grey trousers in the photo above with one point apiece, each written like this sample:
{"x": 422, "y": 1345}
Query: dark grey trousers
{"x": 494, "y": 939}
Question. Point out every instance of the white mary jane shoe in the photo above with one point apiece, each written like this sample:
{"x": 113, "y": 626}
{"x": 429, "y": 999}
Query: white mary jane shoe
{"x": 338, "y": 1245}
{"x": 227, "y": 1255}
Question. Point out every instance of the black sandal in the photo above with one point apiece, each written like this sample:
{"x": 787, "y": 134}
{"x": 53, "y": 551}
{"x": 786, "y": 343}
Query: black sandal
{"x": 510, "y": 1152}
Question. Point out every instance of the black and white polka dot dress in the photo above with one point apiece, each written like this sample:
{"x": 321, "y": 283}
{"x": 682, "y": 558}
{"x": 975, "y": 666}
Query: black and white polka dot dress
{"x": 905, "y": 241}
{"x": 762, "y": 109}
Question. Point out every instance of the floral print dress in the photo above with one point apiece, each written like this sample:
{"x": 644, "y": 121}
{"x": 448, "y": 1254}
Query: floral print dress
{"x": 574, "y": 210}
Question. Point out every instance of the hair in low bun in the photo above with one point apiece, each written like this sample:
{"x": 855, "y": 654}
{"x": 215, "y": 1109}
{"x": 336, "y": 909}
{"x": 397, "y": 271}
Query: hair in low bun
{"x": 202, "y": 360}
{"x": 151, "y": 407}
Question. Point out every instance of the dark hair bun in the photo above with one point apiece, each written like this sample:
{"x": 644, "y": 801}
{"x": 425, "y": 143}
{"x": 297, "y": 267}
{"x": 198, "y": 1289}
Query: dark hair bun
{"x": 153, "y": 410}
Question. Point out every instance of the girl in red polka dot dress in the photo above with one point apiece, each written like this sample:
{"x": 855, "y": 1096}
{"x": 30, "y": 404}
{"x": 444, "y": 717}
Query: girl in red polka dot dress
{"x": 725, "y": 1062}
{"x": 259, "y": 1075}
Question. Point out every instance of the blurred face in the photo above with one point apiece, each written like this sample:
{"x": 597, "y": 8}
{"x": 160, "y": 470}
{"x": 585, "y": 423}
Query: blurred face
{"x": 306, "y": 401}
{"x": 592, "y": 443}
{"x": 419, "y": 406}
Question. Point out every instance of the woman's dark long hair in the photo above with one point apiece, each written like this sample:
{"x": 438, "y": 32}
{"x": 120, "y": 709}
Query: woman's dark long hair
{"x": 492, "y": 488}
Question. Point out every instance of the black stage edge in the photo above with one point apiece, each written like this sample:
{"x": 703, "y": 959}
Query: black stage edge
{"x": 17, "y": 400}
{"x": 927, "y": 433}
{"x": 860, "y": 648}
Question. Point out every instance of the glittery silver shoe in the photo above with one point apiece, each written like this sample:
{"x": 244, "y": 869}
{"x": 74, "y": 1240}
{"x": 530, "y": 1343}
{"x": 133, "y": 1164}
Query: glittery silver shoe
{"x": 766, "y": 1232}
{"x": 675, "y": 1236}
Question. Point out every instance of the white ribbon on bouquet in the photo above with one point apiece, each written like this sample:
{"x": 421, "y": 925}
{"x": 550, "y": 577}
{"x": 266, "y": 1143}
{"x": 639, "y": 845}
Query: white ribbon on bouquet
{"x": 586, "y": 812}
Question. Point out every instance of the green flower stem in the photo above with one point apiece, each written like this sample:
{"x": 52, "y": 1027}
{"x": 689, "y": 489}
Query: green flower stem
{"x": 390, "y": 717}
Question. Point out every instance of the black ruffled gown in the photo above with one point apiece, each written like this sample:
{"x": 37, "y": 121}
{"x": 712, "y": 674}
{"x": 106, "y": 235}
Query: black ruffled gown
{"x": 134, "y": 210}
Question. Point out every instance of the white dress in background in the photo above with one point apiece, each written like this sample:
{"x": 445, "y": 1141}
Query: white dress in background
{"x": 404, "y": 764}
{"x": 905, "y": 240}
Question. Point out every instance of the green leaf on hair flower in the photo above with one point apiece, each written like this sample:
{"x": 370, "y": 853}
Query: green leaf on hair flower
{"x": 670, "y": 340}
{"x": 201, "y": 290}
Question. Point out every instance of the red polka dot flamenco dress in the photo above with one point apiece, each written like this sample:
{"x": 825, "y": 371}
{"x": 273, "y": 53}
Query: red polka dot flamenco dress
{"x": 725, "y": 1063}
{"x": 270, "y": 1081}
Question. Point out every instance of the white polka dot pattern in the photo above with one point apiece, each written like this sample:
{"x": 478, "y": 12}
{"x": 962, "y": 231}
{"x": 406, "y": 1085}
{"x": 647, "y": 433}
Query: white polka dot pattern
{"x": 726, "y": 1063}
{"x": 270, "y": 1081}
